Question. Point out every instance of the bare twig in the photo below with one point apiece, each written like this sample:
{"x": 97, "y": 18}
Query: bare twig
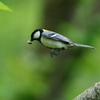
{"x": 93, "y": 93}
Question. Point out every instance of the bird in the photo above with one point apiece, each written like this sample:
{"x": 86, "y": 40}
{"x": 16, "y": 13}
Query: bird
{"x": 54, "y": 41}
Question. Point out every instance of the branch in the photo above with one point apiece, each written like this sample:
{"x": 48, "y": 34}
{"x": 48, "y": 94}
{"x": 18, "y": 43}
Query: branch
{"x": 93, "y": 93}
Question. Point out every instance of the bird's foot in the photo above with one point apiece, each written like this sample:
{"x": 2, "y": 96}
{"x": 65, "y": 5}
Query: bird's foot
{"x": 54, "y": 52}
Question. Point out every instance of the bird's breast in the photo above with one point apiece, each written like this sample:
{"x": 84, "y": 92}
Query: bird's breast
{"x": 51, "y": 43}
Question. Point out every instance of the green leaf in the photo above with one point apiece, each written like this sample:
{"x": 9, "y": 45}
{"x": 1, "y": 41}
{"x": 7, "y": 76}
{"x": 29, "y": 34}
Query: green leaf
{"x": 4, "y": 7}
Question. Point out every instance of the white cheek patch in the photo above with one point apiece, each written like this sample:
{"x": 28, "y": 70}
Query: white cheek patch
{"x": 37, "y": 35}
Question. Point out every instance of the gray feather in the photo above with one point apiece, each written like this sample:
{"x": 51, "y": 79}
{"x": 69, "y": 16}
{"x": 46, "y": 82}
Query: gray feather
{"x": 56, "y": 36}
{"x": 82, "y": 45}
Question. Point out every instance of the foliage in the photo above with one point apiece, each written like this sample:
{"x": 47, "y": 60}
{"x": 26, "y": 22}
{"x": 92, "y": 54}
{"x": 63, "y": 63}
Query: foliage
{"x": 4, "y": 7}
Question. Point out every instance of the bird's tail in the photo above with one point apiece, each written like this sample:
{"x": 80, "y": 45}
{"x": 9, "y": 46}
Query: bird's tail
{"x": 82, "y": 45}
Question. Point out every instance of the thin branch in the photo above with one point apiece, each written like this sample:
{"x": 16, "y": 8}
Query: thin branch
{"x": 93, "y": 93}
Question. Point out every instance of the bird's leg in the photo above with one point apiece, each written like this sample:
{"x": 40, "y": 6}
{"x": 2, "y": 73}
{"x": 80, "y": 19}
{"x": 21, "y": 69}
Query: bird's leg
{"x": 54, "y": 52}
{"x": 63, "y": 48}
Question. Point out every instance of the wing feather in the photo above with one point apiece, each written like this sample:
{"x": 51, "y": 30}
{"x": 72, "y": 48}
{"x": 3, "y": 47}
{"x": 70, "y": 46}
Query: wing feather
{"x": 57, "y": 37}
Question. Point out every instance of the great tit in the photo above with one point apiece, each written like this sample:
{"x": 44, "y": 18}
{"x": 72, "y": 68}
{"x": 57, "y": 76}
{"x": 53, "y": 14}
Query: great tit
{"x": 54, "y": 41}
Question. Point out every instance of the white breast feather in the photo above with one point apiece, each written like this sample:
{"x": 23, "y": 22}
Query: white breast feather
{"x": 52, "y": 43}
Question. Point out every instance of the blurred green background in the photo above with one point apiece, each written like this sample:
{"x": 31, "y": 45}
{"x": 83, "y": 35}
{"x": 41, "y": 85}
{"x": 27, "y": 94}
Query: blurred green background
{"x": 27, "y": 72}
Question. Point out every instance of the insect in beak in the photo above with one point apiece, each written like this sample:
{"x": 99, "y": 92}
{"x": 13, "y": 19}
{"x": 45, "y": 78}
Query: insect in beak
{"x": 29, "y": 42}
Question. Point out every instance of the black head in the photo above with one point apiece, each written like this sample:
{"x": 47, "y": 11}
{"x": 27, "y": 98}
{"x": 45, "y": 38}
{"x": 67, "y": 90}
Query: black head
{"x": 35, "y": 35}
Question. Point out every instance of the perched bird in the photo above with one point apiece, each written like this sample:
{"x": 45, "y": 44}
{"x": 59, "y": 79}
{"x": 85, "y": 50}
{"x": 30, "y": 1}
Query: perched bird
{"x": 54, "y": 41}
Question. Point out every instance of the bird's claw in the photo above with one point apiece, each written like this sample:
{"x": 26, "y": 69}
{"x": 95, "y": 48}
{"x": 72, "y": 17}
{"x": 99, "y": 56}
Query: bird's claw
{"x": 54, "y": 52}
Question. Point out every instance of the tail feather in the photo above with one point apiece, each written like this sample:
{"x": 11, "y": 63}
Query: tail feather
{"x": 82, "y": 45}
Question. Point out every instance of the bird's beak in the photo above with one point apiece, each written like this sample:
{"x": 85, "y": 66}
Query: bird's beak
{"x": 29, "y": 42}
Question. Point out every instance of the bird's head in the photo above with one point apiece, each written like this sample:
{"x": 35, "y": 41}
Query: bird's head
{"x": 35, "y": 35}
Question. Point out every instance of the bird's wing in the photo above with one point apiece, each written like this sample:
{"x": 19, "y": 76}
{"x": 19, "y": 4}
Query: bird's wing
{"x": 57, "y": 37}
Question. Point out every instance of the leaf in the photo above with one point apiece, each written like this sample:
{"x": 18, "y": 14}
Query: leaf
{"x": 4, "y": 7}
